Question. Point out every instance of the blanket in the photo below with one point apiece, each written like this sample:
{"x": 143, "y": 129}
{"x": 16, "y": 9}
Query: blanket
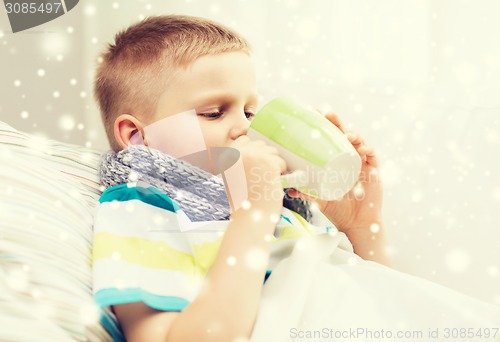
{"x": 324, "y": 292}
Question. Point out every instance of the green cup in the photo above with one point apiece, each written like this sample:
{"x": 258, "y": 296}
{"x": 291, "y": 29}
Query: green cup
{"x": 321, "y": 160}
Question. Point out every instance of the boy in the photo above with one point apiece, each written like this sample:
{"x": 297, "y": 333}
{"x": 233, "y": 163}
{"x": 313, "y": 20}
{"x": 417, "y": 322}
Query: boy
{"x": 157, "y": 280}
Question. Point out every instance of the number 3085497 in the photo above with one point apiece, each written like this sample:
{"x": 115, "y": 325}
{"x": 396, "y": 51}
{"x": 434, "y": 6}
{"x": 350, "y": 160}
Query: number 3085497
{"x": 33, "y": 7}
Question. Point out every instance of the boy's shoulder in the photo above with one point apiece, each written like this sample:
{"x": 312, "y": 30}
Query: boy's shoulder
{"x": 140, "y": 208}
{"x": 142, "y": 192}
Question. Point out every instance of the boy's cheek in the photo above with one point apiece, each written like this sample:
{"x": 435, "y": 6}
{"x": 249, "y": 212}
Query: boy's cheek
{"x": 178, "y": 135}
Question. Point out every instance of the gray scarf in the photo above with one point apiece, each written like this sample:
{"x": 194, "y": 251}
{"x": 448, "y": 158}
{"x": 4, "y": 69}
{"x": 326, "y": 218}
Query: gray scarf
{"x": 198, "y": 193}
{"x": 201, "y": 195}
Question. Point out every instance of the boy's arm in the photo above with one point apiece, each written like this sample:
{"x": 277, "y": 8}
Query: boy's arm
{"x": 228, "y": 302}
{"x": 370, "y": 243}
{"x": 359, "y": 213}
{"x": 227, "y": 306}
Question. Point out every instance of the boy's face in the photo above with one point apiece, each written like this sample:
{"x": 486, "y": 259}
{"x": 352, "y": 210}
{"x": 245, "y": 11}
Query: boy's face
{"x": 221, "y": 89}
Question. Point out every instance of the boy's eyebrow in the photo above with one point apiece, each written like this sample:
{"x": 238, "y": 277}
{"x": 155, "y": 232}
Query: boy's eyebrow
{"x": 252, "y": 98}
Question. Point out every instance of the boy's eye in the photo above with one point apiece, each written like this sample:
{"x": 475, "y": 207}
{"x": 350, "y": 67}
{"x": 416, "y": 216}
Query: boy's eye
{"x": 211, "y": 116}
{"x": 249, "y": 115}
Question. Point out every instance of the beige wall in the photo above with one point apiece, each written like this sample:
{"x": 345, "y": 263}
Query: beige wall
{"x": 42, "y": 78}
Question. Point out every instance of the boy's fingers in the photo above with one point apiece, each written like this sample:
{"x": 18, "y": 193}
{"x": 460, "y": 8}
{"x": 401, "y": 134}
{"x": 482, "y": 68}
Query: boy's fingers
{"x": 368, "y": 153}
{"x": 355, "y": 139}
{"x": 334, "y": 119}
{"x": 294, "y": 193}
{"x": 282, "y": 165}
{"x": 372, "y": 159}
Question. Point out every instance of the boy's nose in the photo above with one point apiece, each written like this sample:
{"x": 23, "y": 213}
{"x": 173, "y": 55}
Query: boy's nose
{"x": 240, "y": 126}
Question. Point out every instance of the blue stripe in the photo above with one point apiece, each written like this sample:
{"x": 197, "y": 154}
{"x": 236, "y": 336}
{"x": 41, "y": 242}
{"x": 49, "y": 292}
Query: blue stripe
{"x": 112, "y": 326}
{"x": 268, "y": 273}
{"x": 149, "y": 195}
{"x": 286, "y": 219}
{"x": 108, "y": 297}
{"x": 329, "y": 228}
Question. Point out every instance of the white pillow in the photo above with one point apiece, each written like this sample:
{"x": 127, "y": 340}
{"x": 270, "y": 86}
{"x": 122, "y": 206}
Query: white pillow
{"x": 48, "y": 192}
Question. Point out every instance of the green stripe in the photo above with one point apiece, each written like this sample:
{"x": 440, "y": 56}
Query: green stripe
{"x": 149, "y": 195}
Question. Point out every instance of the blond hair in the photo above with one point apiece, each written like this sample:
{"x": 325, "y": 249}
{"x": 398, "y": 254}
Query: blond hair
{"x": 133, "y": 71}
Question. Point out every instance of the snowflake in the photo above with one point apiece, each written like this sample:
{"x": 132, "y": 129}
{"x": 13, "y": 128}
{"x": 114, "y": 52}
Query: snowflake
{"x": 457, "y": 260}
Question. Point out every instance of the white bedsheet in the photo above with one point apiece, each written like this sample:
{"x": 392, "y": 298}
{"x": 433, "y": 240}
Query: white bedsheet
{"x": 324, "y": 292}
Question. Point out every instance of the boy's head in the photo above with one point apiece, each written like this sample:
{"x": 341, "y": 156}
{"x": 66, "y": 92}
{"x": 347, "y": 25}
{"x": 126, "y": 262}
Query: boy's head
{"x": 167, "y": 64}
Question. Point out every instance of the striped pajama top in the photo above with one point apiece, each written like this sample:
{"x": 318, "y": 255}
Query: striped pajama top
{"x": 145, "y": 250}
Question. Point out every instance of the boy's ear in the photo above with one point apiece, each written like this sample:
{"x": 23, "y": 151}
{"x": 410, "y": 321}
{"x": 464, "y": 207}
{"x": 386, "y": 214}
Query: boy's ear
{"x": 125, "y": 127}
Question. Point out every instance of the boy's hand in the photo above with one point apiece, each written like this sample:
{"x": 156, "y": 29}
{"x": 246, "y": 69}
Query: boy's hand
{"x": 361, "y": 207}
{"x": 263, "y": 167}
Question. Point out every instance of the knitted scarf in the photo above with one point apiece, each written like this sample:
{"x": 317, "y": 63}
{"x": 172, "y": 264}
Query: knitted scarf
{"x": 201, "y": 195}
